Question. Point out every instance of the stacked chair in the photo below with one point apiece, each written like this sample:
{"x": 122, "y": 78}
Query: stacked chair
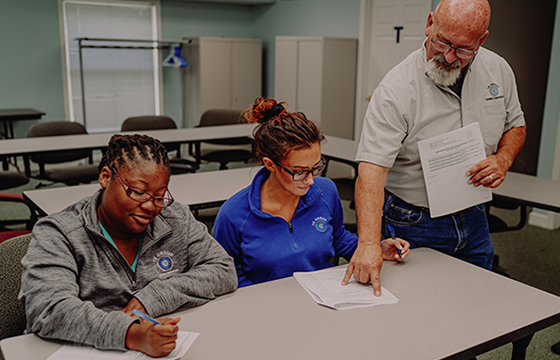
{"x": 71, "y": 175}
{"x": 240, "y": 150}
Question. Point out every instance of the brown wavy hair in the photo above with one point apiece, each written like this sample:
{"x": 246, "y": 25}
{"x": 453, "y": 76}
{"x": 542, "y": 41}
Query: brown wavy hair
{"x": 280, "y": 131}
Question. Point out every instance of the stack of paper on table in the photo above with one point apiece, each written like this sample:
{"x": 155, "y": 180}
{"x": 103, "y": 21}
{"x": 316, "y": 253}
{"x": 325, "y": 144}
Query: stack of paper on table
{"x": 69, "y": 352}
{"x": 324, "y": 286}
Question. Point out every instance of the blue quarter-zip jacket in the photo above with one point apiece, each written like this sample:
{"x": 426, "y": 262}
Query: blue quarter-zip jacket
{"x": 266, "y": 247}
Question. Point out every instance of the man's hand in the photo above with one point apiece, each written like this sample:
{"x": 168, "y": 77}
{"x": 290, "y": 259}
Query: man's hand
{"x": 365, "y": 265}
{"x": 133, "y": 304}
{"x": 151, "y": 339}
{"x": 490, "y": 172}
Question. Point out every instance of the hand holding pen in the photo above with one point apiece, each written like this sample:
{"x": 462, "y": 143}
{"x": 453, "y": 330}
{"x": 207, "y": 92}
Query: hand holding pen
{"x": 394, "y": 248}
{"x": 153, "y": 337}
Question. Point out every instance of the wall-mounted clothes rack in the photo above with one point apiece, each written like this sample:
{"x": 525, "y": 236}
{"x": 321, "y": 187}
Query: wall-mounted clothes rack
{"x": 158, "y": 44}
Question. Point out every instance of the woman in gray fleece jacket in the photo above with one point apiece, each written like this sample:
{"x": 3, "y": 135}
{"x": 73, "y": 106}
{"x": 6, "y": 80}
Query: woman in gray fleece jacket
{"x": 129, "y": 246}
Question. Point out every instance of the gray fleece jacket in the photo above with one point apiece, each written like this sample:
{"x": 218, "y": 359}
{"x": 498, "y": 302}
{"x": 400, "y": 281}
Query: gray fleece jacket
{"x": 74, "y": 281}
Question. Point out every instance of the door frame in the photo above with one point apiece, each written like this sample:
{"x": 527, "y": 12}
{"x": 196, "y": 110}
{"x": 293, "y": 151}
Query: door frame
{"x": 366, "y": 20}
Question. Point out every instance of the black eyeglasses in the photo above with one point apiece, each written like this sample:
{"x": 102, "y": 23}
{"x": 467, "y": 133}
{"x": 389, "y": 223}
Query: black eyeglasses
{"x": 461, "y": 53}
{"x": 141, "y": 196}
{"x": 303, "y": 174}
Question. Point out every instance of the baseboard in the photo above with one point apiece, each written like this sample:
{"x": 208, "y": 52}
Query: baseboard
{"x": 544, "y": 219}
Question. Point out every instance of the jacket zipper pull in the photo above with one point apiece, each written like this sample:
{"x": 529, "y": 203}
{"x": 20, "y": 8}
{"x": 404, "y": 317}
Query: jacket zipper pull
{"x": 291, "y": 228}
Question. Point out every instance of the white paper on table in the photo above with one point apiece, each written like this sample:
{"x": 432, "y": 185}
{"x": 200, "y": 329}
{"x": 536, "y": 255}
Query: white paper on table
{"x": 324, "y": 286}
{"x": 445, "y": 160}
{"x": 69, "y": 352}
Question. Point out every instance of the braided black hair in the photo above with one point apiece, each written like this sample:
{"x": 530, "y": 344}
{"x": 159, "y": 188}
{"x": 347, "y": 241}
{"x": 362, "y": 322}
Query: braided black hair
{"x": 127, "y": 148}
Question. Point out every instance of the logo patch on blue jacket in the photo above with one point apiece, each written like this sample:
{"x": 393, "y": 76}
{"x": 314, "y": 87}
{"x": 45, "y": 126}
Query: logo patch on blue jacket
{"x": 320, "y": 224}
{"x": 164, "y": 260}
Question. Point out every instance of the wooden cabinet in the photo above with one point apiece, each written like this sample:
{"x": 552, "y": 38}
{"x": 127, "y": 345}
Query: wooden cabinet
{"x": 222, "y": 73}
{"x": 317, "y": 76}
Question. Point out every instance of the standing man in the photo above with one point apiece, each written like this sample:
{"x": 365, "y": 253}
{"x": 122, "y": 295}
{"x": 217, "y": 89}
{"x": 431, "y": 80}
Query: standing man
{"x": 450, "y": 82}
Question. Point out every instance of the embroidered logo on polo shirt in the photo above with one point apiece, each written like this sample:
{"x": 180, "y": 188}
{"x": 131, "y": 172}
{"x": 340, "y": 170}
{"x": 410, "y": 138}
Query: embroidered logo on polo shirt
{"x": 494, "y": 91}
{"x": 164, "y": 260}
{"x": 320, "y": 224}
{"x": 493, "y": 88}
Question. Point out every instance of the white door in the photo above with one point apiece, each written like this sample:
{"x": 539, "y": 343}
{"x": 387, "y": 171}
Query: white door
{"x": 389, "y": 31}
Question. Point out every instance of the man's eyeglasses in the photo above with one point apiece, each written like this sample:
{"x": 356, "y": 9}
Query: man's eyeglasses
{"x": 141, "y": 196}
{"x": 303, "y": 174}
{"x": 461, "y": 53}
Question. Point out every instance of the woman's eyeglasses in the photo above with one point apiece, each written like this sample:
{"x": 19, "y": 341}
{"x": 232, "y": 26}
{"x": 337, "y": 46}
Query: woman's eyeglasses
{"x": 141, "y": 196}
{"x": 303, "y": 174}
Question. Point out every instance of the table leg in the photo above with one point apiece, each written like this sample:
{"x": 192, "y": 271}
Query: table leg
{"x": 27, "y": 165}
{"x": 520, "y": 347}
{"x": 10, "y": 130}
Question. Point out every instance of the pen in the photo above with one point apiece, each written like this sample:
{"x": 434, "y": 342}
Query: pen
{"x": 145, "y": 317}
{"x": 392, "y": 232}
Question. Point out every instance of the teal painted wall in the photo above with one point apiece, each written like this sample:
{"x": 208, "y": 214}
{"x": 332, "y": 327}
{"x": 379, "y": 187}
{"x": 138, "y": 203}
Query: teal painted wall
{"x": 192, "y": 19}
{"x": 332, "y": 18}
{"x": 30, "y": 60}
{"x": 31, "y": 66}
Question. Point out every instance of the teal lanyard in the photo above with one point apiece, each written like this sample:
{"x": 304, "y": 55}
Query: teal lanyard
{"x": 108, "y": 237}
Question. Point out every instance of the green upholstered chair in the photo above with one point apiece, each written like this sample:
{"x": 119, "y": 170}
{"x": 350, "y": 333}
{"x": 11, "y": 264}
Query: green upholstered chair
{"x": 12, "y": 313}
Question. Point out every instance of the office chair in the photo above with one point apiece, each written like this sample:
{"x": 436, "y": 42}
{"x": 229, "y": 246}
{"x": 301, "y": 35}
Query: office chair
{"x": 160, "y": 122}
{"x": 217, "y": 117}
{"x": 12, "y": 312}
{"x": 73, "y": 175}
{"x": 10, "y": 180}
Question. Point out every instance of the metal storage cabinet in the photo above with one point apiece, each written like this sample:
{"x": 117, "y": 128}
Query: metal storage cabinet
{"x": 222, "y": 73}
{"x": 317, "y": 76}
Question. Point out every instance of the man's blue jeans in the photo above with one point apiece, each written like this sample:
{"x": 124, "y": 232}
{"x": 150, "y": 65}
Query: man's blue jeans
{"x": 464, "y": 235}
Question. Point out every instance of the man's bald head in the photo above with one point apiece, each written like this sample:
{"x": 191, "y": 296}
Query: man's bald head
{"x": 468, "y": 16}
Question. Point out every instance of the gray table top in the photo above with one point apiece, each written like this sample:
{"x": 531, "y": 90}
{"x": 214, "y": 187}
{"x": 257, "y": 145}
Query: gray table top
{"x": 447, "y": 309}
{"x": 531, "y": 191}
{"x": 20, "y": 114}
{"x": 17, "y": 147}
{"x": 195, "y": 190}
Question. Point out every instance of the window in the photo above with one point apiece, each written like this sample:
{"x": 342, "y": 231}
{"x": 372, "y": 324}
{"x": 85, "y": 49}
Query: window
{"x": 117, "y": 82}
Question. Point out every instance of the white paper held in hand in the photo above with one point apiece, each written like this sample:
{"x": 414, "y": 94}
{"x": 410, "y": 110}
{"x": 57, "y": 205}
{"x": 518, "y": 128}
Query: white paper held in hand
{"x": 445, "y": 160}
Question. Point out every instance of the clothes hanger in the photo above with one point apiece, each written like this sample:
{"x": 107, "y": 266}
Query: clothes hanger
{"x": 174, "y": 58}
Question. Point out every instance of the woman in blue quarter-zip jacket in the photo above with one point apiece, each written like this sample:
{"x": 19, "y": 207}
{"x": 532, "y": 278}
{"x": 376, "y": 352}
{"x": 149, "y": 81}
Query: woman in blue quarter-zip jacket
{"x": 288, "y": 219}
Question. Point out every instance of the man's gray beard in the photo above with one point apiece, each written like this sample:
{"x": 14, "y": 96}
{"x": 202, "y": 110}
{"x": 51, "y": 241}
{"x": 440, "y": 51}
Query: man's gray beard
{"x": 440, "y": 75}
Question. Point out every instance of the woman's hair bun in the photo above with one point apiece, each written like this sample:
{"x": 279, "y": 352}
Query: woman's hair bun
{"x": 263, "y": 110}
